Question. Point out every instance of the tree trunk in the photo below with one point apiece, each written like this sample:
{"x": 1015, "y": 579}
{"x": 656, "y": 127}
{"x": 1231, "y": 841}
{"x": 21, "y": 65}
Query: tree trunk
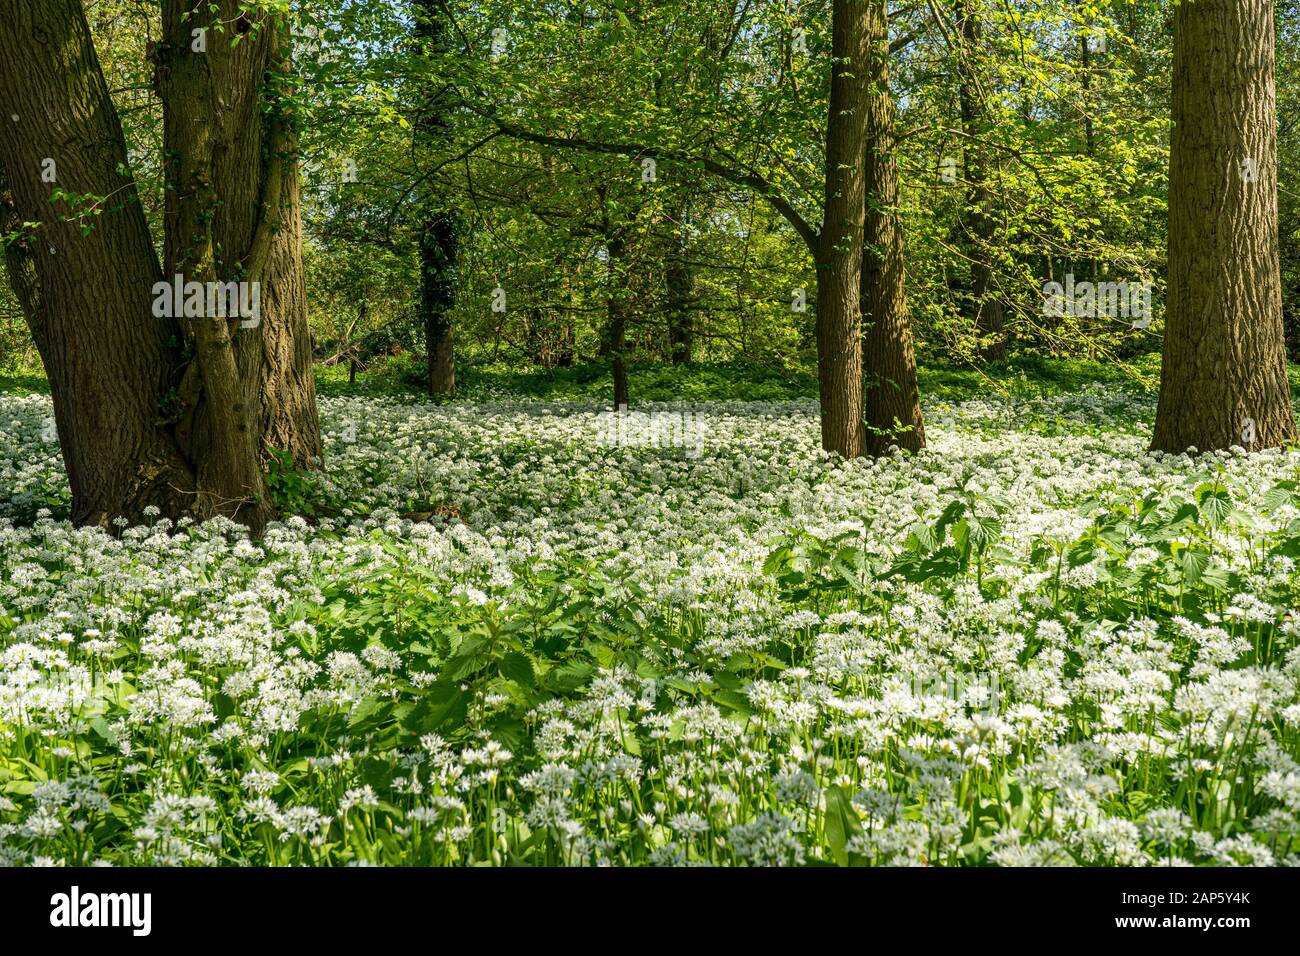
{"x": 20, "y": 261}
{"x": 439, "y": 237}
{"x": 437, "y": 295}
{"x": 202, "y": 93}
{"x": 290, "y": 421}
{"x": 247, "y": 171}
{"x": 893, "y": 400}
{"x": 87, "y": 298}
{"x": 568, "y": 325}
{"x": 679, "y": 282}
{"x": 978, "y": 224}
{"x": 839, "y": 247}
{"x": 141, "y": 424}
{"x": 616, "y": 330}
{"x": 1223, "y": 381}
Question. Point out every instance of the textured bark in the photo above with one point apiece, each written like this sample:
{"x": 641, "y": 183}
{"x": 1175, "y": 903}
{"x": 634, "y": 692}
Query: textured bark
{"x": 87, "y": 298}
{"x": 254, "y": 226}
{"x": 1224, "y": 371}
{"x": 839, "y": 249}
{"x": 290, "y": 421}
{"x": 892, "y": 399}
{"x": 257, "y": 228}
{"x": 438, "y": 239}
{"x": 200, "y": 92}
{"x": 979, "y": 228}
{"x": 139, "y": 423}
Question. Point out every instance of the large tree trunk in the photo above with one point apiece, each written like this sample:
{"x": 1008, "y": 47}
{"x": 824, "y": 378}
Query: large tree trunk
{"x": 839, "y": 249}
{"x": 893, "y": 400}
{"x": 233, "y": 184}
{"x": 438, "y": 239}
{"x": 1223, "y": 381}
{"x": 87, "y": 299}
{"x": 978, "y": 225}
{"x": 139, "y": 423}
{"x": 207, "y": 100}
{"x": 290, "y": 421}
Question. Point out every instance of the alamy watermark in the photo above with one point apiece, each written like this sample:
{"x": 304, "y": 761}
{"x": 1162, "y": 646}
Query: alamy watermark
{"x": 192, "y": 300}
{"x": 653, "y": 429}
{"x": 980, "y": 692}
{"x": 74, "y": 908}
{"x": 1097, "y": 300}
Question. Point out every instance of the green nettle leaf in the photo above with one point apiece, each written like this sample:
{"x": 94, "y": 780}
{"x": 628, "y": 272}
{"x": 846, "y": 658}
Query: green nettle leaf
{"x": 518, "y": 668}
{"x": 952, "y": 513}
{"x": 570, "y": 676}
{"x": 1281, "y": 494}
{"x": 922, "y": 539}
{"x": 984, "y": 532}
{"x": 734, "y": 701}
{"x": 363, "y": 710}
{"x": 1289, "y": 547}
{"x": 1194, "y": 564}
{"x": 443, "y": 705}
{"x": 777, "y": 560}
{"x": 1215, "y": 506}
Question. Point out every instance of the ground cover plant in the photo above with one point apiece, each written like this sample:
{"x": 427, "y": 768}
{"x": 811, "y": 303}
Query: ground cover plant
{"x": 508, "y": 632}
{"x": 649, "y": 432}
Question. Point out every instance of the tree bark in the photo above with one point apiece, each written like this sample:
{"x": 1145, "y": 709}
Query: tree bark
{"x": 20, "y": 262}
{"x": 234, "y": 214}
{"x": 893, "y": 399}
{"x": 439, "y": 235}
{"x": 1223, "y": 381}
{"x": 839, "y": 247}
{"x": 140, "y": 423}
{"x": 290, "y": 421}
{"x": 437, "y": 295}
{"x": 87, "y": 298}
{"x": 201, "y": 92}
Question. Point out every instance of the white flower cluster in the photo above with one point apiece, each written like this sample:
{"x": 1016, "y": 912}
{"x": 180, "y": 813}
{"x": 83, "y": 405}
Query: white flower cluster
{"x": 514, "y": 639}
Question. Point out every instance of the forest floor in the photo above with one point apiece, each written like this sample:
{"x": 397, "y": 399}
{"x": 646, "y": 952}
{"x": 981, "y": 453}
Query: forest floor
{"x": 522, "y": 628}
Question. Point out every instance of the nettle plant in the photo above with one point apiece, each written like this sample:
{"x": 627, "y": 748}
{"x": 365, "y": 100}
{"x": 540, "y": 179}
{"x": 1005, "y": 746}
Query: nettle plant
{"x": 1164, "y": 555}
